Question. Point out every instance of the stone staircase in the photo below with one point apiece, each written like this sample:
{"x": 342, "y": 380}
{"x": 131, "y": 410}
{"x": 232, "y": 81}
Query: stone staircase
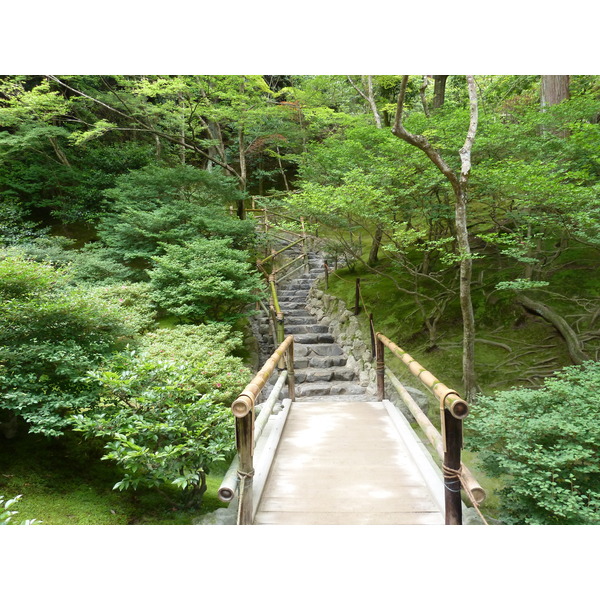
{"x": 319, "y": 362}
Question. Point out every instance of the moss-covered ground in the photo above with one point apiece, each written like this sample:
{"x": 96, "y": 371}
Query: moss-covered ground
{"x": 63, "y": 482}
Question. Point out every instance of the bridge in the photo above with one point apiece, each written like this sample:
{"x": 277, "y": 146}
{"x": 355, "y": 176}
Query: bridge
{"x": 321, "y": 449}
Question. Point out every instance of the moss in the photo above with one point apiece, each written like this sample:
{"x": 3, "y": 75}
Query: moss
{"x": 63, "y": 482}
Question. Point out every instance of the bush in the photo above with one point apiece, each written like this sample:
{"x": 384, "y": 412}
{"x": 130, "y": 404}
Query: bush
{"x": 204, "y": 280}
{"x": 165, "y": 408}
{"x": 51, "y": 335}
{"x": 545, "y": 443}
{"x": 155, "y": 206}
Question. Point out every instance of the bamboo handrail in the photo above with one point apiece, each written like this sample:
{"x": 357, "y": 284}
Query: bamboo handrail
{"x": 447, "y": 397}
{"x": 434, "y": 436}
{"x": 274, "y": 254}
{"x": 230, "y": 480}
{"x": 246, "y": 400}
{"x": 274, "y": 294}
{"x": 288, "y": 264}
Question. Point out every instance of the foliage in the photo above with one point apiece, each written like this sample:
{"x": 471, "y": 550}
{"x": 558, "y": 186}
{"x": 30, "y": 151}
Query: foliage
{"x": 153, "y": 206}
{"x": 163, "y": 410}
{"x": 51, "y": 334}
{"x": 204, "y": 280}
{"x": 14, "y": 225}
{"x": 545, "y": 443}
{"x": 6, "y": 515}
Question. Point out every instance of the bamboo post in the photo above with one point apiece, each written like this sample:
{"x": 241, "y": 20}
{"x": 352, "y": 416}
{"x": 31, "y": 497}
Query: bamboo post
{"x": 326, "y": 275}
{"x": 380, "y": 369}
{"x": 244, "y": 427}
{"x": 304, "y": 245}
{"x": 453, "y": 444}
{"x": 372, "y": 332}
{"x": 357, "y": 297}
{"x": 291, "y": 377}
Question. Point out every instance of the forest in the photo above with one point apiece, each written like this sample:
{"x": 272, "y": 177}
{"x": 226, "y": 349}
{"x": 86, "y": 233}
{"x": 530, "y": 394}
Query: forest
{"x": 468, "y": 206}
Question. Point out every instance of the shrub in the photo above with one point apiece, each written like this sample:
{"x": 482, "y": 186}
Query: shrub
{"x": 164, "y": 409}
{"x": 155, "y": 206}
{"x": 545, "y": 443}
{"x": 51, "y": 335}
{"x": 204, "y": 280}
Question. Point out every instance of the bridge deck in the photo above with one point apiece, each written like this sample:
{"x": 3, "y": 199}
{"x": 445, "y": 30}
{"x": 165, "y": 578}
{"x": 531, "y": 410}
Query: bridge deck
{"x": 344, "y": 463}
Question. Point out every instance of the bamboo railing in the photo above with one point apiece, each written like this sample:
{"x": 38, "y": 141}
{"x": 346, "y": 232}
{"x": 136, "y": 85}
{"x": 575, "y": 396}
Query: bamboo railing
{"x": 243, "y": 409}
{"x": 279, "y": 272}
{"x": 448, "y": 444}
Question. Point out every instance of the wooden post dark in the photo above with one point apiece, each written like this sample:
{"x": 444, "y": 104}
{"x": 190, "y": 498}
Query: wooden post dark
{"x": 357, "y": 297}
{"x": 291, "y": 375}
{"x": 372, "y": 332}
{"x": 452, "y": 449}
{"x": 380, "y": 369}
{"x": 326, "y": 275}
{"x": 244, "y": 428}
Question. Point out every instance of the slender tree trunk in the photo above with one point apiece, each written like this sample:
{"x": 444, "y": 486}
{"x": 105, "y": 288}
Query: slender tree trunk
{"x": 241, "y": 208}
{"x": 422, "y": 90}
{"x": 459, "y": 186}
{"x": 466, "y": 263}
{"x": 182, "y": 130}
{"x": 439, "y": 90}
{"x": 373, "y": 254}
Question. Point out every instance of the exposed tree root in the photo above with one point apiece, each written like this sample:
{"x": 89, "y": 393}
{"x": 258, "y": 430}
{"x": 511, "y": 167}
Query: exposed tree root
{"x": 574, "y": 344}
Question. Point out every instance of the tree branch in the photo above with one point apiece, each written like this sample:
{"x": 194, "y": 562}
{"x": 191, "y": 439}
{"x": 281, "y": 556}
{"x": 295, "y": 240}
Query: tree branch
{"x": 149, "y": 129}
{"x": 421, "y": 142}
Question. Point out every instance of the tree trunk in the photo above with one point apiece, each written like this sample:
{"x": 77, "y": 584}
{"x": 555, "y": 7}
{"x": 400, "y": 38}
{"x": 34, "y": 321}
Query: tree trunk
{"x": 459, "y": 186}
{"x": 373, "y": 254}
{"x": 466, "y": 305}
{"x": 439, "y": 90}
{"x": 555, "y": 89}
{"x": 241, "y": 208}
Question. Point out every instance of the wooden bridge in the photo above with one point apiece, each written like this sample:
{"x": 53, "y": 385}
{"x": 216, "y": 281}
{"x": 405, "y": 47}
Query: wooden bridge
{"x": 333, "y": 453}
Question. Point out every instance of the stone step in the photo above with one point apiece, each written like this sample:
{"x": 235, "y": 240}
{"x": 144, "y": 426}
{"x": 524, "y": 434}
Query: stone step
{"x": 327, "y": 388}
{"x": 332, "y": 374}
{"x": 295, "y": 319}
{"x": 304, "y": 328}
{"x": 319, "y": 362}
{"x": 292, "y": 298}
{"x": 304, "y": 284}
{"x": 338, "y": 398}
{"x": 313, "y": 338}
{"x": 285, "y": 306}
{"x": 310, "y": 350}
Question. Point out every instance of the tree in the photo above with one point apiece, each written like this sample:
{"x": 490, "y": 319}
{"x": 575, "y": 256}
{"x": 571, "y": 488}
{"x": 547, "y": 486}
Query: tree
{"x": 459, "y": 186}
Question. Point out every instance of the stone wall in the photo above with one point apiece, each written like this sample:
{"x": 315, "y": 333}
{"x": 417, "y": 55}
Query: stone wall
{"x": 345, "y": 328}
